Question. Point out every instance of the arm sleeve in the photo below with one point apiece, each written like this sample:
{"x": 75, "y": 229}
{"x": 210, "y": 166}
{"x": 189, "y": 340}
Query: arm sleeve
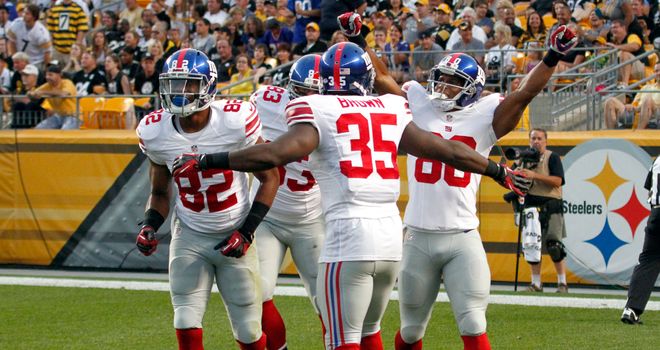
{"x": 556, "y": 168}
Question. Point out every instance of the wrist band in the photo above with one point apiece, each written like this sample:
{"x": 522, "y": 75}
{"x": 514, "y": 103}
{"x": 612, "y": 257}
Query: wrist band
{"x": 257, "y": 213}
{"x": 218, "y": 160}
{"x": 153, "y": 218}
{"x": 358, "y": 40}
{"x": 551, "y": 58}
{"x": 493, "y": 170}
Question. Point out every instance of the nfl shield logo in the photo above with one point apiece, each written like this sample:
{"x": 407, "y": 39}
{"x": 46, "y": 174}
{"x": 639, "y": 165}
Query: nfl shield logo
{"x": 193, "y": 148}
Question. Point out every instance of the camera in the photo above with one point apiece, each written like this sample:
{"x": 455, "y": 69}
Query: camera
{"x": 529, "y": 158}
{"x": 530, "y": 155}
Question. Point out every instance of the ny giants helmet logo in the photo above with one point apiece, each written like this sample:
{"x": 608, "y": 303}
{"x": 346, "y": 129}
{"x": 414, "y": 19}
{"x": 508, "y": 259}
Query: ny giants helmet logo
{"x": 213, "y": 72}
{"x": 481, "y": 77}
{"x": 367, "y": 60}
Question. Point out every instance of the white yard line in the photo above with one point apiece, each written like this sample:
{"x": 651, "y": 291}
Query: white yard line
{"x": 589, "y": 303}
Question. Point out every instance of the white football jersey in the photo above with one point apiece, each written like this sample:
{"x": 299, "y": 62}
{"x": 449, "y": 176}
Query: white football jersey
{"x": 298, "y": 197}
{"x": 30, "y": 41}
{"x": 212, "y": 200}
{"x": 442, "y": 198}
{"x": 355, "y": 166}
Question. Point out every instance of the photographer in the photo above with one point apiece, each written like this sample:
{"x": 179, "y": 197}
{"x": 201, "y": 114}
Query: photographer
{"x": 547, "y": 175}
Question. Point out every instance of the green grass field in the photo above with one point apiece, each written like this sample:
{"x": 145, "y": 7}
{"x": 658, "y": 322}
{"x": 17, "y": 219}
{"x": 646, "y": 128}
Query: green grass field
{"x": 77, "y": 318}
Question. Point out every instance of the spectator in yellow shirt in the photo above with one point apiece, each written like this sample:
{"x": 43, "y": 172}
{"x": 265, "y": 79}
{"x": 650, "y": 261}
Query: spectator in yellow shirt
{"x": 244, "y": 71}
{"x": 62, "y": 113}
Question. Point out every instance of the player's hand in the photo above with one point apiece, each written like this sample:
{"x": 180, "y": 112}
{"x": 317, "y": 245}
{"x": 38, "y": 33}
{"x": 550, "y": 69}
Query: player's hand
{"x": 236, "y": 245}
{"x": 146, "y": 240}
{"x": 187, "y": 163}
{"x": 350, "y": 23}
{"x": 513, "y": 180}
{"x": 563, "y": 39}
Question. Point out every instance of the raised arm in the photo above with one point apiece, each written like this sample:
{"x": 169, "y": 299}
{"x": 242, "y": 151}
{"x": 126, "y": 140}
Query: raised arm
{"x": 508, "y": 113}
{"x": 350, "y": 24}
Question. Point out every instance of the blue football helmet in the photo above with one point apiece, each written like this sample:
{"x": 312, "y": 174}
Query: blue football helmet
{"x": 304, "y": 76}
{"x": 459, "y": 70}
{"x": 346, "y": 70}
{"x": 188, "y": 82}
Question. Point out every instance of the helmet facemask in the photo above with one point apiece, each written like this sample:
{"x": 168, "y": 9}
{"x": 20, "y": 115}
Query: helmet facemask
{"x": 184, "y": 94}
{"x": 440, "y": 79}
{"x": 310, "y": 86}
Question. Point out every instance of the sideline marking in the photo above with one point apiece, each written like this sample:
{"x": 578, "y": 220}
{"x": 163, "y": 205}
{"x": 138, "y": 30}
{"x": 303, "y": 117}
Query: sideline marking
{"x": 589, "y": 303}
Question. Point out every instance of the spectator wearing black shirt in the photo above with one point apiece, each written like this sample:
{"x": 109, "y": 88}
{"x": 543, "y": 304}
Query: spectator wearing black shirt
{"x": 116, "y": 81}
{"x": 330, "y": 9}
{"x": 280, "y": 77}
{"x": 89, "y": 80}
{"x": 312, "y": 44}
{"x": 146, "y": 81}
{"x": 20, "y": 61}
{"x": 27, "y": 111}
{"x": 132, "y": 41}
{"x": 129, "y": 65}
{"x": 445, "y": 28}
{"x": 222, "y": 56}
{"x": 113, "y": 36}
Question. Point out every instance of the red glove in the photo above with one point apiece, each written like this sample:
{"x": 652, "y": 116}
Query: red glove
{"x": 187, "y": 163}
{"x": 513, "y": 180}
{"x": 562, "y": 39}
{"x": 350, "y": 23}
{"x": 236, "y": 245}
{"x": 146, "y": 240}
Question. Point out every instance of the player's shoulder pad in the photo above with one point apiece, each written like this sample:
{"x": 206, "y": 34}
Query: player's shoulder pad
{"x": 233, "y": 114}
{"x": 153, "y": 124}
{"x": 300, "y": 109}
{"x": 236, "y": 115}
{"x": 491, "y": 99}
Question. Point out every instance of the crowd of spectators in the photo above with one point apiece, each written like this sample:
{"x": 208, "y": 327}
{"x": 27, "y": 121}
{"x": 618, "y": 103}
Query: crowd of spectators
{"x": 253, "y": 42}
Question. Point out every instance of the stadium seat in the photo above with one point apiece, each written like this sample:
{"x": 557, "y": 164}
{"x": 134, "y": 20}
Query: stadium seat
{"x": 548, "y": 20}
{"x": 141, "y": 102}
{"x": 116, "y": 113}
{"x": 87, "y": 106}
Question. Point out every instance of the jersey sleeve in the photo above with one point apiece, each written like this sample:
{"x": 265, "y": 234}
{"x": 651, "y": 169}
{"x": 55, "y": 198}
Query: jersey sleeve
{"x": 299, "y": 111}
{"x": 252, "y": 124}
{"x": 147, "y": 133}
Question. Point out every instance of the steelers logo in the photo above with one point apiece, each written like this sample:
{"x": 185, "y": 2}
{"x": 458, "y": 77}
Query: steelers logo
{"x": 605, "y": 209}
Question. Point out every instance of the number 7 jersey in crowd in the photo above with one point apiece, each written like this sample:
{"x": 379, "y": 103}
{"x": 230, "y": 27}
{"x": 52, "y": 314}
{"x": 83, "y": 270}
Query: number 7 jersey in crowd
{"x": 355, "y": 166}
{"x": 441, "y": 197}
{"x": 210, "y": 200}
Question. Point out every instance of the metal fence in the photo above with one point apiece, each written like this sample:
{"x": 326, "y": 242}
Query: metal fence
{"x": 573, "y": 100}
{"x": 94, "y": 111}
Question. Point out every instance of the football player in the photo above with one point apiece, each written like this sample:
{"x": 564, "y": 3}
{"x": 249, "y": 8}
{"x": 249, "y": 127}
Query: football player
{"x": 295, "y": 220}
{"x": 213, "y": 223}
{"x": 353, "y": 139}
{"x": 442, "y": 243}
